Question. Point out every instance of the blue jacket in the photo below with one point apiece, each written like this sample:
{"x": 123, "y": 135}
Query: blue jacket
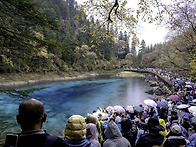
{"x": 192, "y": 143}
{"x": 105, "y": 124}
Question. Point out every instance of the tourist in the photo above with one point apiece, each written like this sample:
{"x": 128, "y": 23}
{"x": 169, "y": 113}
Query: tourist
{"x": 75, "y": 132}
{"x": 163, "y": 120}
{"x": 94, "y": 118}
{"x": 174, "y": 120}
{"x": 31, "y": 118}
{"x": 91, "y": 134}
{"x": 192, "y": 143}
{"x": 192, "y": 138}
{"x": 175, "y": 138}
{"x": 153, "y": 137}
{"x": 129, "y": 130}
{"x": 114, "y": 136}
{"x": 142, "y": 129}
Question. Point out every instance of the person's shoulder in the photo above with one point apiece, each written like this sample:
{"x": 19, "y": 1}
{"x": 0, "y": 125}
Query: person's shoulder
{"x": 125, "y": 140}
{"x": 58, "y": 141}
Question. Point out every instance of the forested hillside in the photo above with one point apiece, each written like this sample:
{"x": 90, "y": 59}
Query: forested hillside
{"x": 54, "y": 35}
{"x": 57, "y": 36}
{"x": 178, "y": 54}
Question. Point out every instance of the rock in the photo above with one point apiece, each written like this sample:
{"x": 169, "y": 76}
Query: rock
{"x": 151, "y": 91}
{"x": 159, "y": 91}
{"x": 153, "y": 84}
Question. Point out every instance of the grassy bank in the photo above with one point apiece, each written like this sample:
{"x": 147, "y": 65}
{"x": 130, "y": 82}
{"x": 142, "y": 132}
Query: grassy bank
{"x": 126, "y": 74}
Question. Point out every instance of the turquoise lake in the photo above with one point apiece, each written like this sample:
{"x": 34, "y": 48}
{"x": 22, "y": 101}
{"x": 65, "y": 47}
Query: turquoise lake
{"x": 63, "y": 99}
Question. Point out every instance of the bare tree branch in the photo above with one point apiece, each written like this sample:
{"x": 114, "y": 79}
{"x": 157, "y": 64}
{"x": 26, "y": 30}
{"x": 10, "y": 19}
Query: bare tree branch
{"x": 115, "y": 5}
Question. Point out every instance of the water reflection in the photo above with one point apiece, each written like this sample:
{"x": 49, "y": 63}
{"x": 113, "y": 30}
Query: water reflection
{"x": 64, "y": 99}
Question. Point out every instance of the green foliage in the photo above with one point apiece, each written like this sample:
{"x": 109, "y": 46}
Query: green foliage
{"x": 56, "y": 35}
{"x": 85, "y": 60}
{"x": 23, "y": 94}
{"x": 20, "y": 40}
{"x": 30, "y": 43}
{"x": 178, "y": 53}
{"x": 120, "y": 18}
{"x": 171, "y": 56}
{"x": 193, "y": 68}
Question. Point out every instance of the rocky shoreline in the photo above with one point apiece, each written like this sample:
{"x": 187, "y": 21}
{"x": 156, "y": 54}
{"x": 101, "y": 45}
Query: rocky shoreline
{"x": 158, "y": 89}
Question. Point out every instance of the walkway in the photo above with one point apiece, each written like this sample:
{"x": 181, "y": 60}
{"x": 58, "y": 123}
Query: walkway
{"x": 156, "y": 73}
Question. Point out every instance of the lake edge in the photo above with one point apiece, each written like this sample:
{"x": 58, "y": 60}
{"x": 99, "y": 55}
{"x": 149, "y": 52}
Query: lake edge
{"x": 17, "y": 80}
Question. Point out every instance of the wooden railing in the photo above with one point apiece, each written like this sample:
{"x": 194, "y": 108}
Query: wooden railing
{"x": 155, "y": 73}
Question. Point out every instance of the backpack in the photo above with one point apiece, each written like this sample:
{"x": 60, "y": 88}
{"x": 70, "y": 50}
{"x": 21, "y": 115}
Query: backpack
{"x": 12, "y": 139}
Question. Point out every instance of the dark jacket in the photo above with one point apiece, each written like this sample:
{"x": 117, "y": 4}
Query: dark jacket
{"x": 129, "y": 130}
{"x": 34, "y": 139}
{"x": 175, "y": 141}
{"x": 148, "y": 140}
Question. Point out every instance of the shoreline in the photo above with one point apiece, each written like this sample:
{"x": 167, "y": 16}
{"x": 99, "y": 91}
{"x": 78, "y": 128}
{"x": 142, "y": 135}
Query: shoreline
{"x": 16, "y": 80}
{"x": 51, "y": 77}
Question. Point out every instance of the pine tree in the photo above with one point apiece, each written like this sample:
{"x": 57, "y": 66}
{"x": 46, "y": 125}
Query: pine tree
{"x": 133, "y": 46}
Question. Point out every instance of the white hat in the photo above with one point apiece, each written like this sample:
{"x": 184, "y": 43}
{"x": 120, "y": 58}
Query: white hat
{"x": 194, "y": 101}
{"x": 130, "y": 109}
{"x": 119, "y": 109}
{"x": 176, "y": 129}
{"x": 109, "y": 110}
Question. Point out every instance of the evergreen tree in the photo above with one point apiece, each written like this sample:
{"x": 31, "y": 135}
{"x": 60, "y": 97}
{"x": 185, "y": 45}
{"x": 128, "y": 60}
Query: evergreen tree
{"x": 143, "y": 45}
{"x": 20, "y": 40}
{"x": 133, "y": 46}
{"x": 121, "y": 36}
{"x": 126, "y": 39}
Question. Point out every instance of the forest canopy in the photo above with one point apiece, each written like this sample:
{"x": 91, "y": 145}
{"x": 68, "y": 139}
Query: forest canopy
{"x": 63, "y": 36}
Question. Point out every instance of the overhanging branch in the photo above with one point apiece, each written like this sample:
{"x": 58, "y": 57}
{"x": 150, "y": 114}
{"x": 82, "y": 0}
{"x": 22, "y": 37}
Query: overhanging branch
{"x": 116, "y": 4}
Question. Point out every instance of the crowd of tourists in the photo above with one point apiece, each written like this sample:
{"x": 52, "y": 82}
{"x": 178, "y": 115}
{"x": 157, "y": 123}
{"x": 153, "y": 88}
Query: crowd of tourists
{"x": 168, "y": 122}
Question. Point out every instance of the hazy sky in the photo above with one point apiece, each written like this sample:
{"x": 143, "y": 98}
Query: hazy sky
{"x": 150, "y": 33}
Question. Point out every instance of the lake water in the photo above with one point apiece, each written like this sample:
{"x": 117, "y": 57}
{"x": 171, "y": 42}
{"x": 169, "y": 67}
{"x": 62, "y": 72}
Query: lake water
{"x": 67, "y": 98}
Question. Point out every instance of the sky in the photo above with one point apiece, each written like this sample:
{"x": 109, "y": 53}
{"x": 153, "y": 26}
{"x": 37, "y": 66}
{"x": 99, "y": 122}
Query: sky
{"x": 150, "y": 33}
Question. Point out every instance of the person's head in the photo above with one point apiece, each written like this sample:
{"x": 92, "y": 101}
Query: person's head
{"x": 75, "y": 129}
{"x": 126, "y": 124}
{"x": 154, "y": 126}
{"x": 174, "y": 117}
{"x": 91, "y": 119}
{"x": 141, "y": 106}
{"x": 175, "y": 130}
{"x": 31, "y": 115}
{"x": 109, "y": 110}
{"x": 163, "y": 113}
{"x": 91, "y": 131}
